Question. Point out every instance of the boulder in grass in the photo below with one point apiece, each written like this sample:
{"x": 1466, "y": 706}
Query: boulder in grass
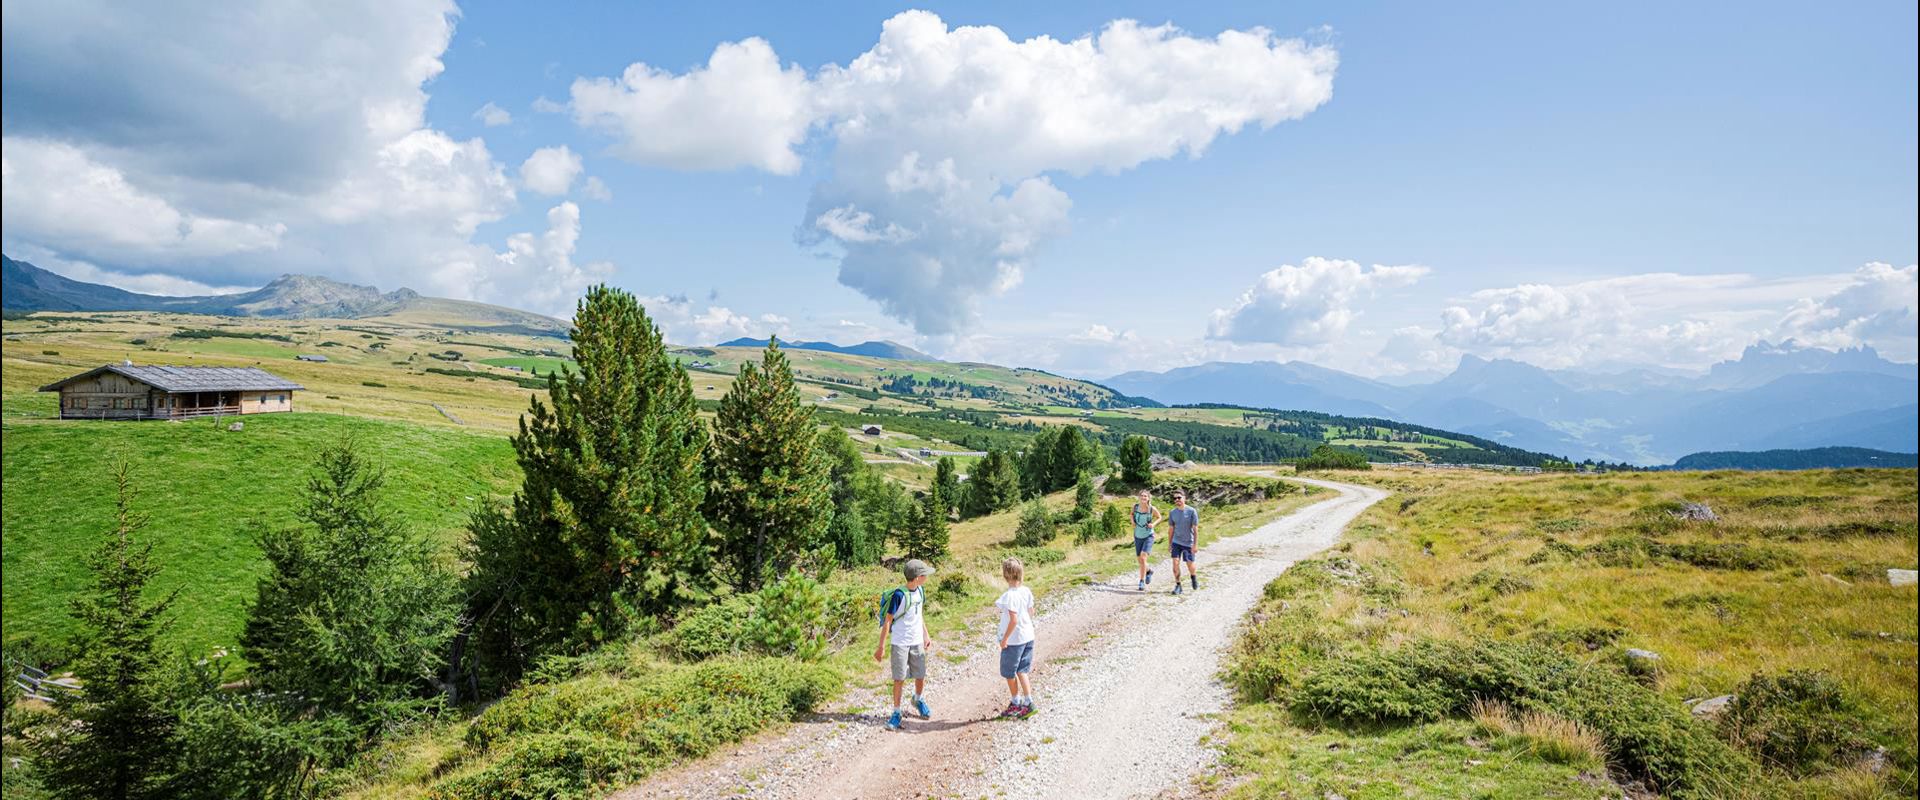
{"x": 1902, "y": 577}
{"x": 1643, "y": 664}
{"x": 238, "y": 426}
{"x": 1695, "y": 512}
{"x": 1712, "y": 707}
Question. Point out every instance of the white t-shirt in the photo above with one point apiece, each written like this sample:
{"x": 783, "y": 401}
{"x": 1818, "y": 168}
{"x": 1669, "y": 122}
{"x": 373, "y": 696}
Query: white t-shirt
{"x": 909, "y": 627}
{"x": 1016, "y": 602}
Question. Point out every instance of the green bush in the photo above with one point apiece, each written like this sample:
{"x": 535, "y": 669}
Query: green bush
{"x": 1032, "y": 556}
{"x": 1036, "y": 525}
{"x": 560, "y": 766}
{"x": 1084, "y": 498}
{"x": 1294, "y": 656}
{"x": 1114, "y": 521}
{"x": 954, "y": 587}
{"x": 791, "y": 618}
{"x": 1327, "y": 456}
{"x": 572, "y": 738}
{"x": 1799, "y": 721}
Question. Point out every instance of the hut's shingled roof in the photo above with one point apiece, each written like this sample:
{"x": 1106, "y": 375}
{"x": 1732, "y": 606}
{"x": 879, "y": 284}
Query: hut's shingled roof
{"x": 191, "y": 379}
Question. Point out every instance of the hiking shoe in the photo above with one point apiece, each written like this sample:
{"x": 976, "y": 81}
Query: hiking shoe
{"x": 1012, "y": 712}
{"x": 920, "y": 705}
{"x": 1195, "y": 580}
{"x": 1143, "y": 586}
{"x": 1025, "y": 711}
{"x": 893, "y": 722}
{"x": 1176, "y": 588}
{"x": 1149, "y": 577}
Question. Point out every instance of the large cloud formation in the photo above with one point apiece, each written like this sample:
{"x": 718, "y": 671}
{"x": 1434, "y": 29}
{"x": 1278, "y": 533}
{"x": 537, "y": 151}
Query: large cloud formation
{"x": 943, "y": 139}
{"x": 234, "y": 145}
{"x": 1308, "y": 304}
{"x": 1684, "y": 320}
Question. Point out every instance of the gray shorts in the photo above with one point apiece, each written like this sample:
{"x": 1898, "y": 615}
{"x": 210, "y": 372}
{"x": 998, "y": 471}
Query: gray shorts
{"x": 909, "y": 663}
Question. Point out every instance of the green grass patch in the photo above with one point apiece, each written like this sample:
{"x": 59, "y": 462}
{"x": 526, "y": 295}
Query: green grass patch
{"x": 209, "y": 492}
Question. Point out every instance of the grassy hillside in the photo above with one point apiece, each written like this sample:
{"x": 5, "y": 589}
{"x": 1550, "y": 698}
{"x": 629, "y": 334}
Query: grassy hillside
{"x": 1362, "y": 667}
{"x": 401, "y": 367}
{"x": 208, "y": 492}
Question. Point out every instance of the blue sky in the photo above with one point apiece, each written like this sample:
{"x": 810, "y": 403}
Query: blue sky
{"x": 1591, "y": 186}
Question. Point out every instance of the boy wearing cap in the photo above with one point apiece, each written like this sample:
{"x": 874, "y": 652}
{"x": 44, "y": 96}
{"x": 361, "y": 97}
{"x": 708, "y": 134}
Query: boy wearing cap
{"x": 904, "y": 628}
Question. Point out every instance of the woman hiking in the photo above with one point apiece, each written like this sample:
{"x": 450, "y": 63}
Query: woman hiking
{"x": 1145, "y": 517}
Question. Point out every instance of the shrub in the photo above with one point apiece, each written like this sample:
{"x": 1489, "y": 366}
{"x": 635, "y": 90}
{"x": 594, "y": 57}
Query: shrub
{"x": 1033, "y": 556}
{"x": 954, "y": 587}
{"x": 562, "y": 766}
{"x": 136, "y": 341}
{"x": 1084, "y": 497}
{"x": 374, "y": 384}
{"x": 1327, "y": 456}
{"x": 712, "y": 630}
{"x": 791, "y": 618}
{"x": 1036, "y": 525}
{"x": 662, "y": 714}
{"x": 1799, "y": 721}
{"x": 1114, "y": 521}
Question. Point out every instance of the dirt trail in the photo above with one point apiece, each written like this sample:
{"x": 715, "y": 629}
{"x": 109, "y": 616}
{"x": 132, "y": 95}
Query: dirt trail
{"x": 1126, "y": 683}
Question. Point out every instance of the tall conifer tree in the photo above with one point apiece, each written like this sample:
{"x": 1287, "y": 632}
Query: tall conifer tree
{"x": 122, "y": 743}
{"x": 606, "y": 528}
{"x": 769, "y": 496}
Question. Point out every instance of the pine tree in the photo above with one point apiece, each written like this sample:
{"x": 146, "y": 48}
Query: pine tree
{"x": 1136, "y": 462}
{"x": 1036, "y": 465}
{"x": 768, "y": 497}
{"x": 355, "y": 612}
{"x": 1069, "y": 458}
{"x": 857, "y": 538}
{"x": 1084, "y": 497}
{"x": 606, "y": 529}
{"x": 121, "y": 742}
{"x": 926, "y": 531}
{"x": 946, "y": 482}
{"x": 993, "y": 486}
{"x": 1036, "y": 525}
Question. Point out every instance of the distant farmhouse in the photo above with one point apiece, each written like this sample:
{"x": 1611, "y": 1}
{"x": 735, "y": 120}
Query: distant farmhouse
{"x": 125, "y": 391}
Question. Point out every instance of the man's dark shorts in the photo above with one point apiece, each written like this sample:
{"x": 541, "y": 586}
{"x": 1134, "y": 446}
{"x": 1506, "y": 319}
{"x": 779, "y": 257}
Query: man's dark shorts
{"x": 1182, "y": 552}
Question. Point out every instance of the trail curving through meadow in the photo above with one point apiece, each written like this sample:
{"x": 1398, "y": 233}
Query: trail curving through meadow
{"x": 1127, "y": 685}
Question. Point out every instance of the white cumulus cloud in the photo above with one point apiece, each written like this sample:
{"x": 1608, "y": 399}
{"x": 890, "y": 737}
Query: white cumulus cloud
{"x": 1876, "y": 308}
{"x": 493, "y": 116}
{"x": 222, "y": 147}
{"x": 741, "y": 109}
{"x": 942, "y": 138}
{"x": 1308, "y": 304}
{"x": 550, "y": 170}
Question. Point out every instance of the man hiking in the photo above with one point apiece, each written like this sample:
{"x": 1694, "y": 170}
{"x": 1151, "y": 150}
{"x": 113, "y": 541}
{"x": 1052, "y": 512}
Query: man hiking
{"x": 1145, "y": 517}
{"x": 1183, "y": 533}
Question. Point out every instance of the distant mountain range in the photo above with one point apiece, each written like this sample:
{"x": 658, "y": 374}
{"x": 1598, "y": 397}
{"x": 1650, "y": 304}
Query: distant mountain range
{"x": 1816, "y": 458}
{"x": 1775, "y": 396}
{"x": 893, "y": 350}
{"x": 30, "y": 288}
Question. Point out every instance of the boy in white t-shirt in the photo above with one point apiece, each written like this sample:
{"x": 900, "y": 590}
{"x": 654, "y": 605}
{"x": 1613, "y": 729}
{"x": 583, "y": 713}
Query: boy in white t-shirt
{"x": 903, "y": 628}
{"x": 1016, "y": 639}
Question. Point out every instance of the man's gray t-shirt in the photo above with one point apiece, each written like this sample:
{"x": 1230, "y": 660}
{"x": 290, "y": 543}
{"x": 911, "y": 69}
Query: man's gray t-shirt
{"x": 1184, "y": 521}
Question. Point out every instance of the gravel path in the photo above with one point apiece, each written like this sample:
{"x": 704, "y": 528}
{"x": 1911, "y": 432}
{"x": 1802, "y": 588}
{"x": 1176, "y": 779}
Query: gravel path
{"x": 1127, "y": 685}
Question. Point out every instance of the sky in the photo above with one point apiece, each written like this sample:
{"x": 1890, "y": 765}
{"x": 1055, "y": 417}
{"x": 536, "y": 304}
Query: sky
{"x": 1377, "y": 188}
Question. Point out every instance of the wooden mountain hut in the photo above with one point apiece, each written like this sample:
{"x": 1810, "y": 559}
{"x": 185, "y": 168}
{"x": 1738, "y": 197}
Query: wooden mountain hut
{"x": 126, "y": 391}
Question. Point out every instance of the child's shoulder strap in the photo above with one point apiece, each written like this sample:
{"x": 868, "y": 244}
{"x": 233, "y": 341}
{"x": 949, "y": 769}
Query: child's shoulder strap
{"x": 892, "y": 599}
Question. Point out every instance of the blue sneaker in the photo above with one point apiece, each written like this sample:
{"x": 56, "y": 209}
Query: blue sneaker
{"x": 893, "y": 722}
{"x": 1149, "y": 577}
{"x": 920, "y": 705}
